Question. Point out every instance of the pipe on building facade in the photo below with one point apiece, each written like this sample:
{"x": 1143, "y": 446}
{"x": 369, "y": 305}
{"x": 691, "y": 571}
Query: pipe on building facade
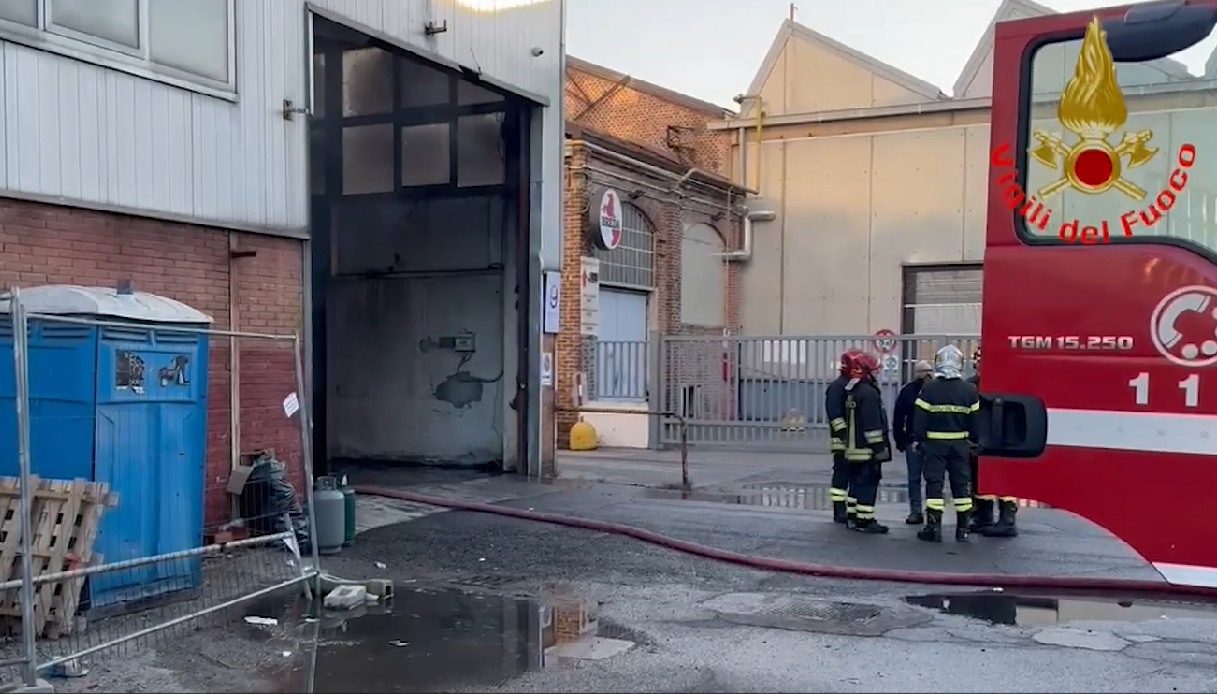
{"x": 745, "y": 251}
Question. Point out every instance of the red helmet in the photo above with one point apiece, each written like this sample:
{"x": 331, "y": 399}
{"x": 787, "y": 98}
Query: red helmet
{"x": 868, "y": 364}
{"x": 849, "y": 361}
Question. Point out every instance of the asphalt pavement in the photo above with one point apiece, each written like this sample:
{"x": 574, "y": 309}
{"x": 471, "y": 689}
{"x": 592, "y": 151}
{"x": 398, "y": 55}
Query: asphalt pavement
{"x": 692, "y": 624}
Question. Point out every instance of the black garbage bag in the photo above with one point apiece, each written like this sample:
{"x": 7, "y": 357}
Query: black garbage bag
{"x": 268, "y": 500}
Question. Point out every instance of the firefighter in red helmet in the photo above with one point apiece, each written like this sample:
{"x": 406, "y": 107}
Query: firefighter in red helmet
{"x": 865, "y": 437}
{"x": 843, "y": 503}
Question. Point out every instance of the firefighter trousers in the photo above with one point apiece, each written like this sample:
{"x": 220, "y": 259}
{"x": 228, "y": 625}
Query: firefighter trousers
{"x": 947, "y": 461}
{"x": 840, "y": 481}
{"x": 864, "y": 478}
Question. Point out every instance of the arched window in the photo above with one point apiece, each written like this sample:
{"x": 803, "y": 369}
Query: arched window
{"x": 702, "y": 281}
{"x": 632, "y": 263}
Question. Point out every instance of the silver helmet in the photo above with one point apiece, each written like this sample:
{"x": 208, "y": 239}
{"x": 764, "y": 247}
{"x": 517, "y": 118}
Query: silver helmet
{"x": 948, "y": 362}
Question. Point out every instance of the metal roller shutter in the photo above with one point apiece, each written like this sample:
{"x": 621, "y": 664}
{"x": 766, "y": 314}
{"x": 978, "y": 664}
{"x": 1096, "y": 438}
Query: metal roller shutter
{"x": 942, "y": 300}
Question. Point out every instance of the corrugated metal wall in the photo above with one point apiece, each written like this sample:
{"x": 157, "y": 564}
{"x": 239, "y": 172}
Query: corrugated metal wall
{"x": 84, "y": 132}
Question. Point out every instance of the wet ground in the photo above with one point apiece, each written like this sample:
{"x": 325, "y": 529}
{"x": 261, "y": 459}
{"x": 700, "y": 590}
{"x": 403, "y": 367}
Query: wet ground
{"x": 699, "y": 626}
{"x": 492, "y": 604}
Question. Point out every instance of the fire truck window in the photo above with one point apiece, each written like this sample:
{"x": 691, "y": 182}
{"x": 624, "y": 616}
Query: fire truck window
{"x": 1134, "y": 154}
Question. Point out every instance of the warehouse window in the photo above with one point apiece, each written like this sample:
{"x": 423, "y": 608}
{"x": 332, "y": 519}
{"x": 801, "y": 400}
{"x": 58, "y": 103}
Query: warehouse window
{"x": 182, "y": 41}
{"x": 631, "y": 264}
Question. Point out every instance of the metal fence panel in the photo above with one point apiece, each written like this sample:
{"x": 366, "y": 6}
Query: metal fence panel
{"x": 119, "y": 424}
{"x": 768, "y": 392}
{"x": 616, "y": 370}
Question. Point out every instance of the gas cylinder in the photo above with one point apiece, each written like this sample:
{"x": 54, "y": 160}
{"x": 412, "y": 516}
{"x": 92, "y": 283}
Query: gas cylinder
{"x": 348, "y": 508}
{"x": 328, "y": 507}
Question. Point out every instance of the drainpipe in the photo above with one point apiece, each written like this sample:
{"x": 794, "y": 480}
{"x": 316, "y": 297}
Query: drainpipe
{"x": 760, "y": 120}
{"x": 234, "y": 357}
{"x": 745, "y": 251}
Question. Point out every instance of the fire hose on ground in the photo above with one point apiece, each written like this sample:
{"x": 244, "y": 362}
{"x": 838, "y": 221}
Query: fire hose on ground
{"x": 1128, "y": 587}
{"x": 1124, "y": 587}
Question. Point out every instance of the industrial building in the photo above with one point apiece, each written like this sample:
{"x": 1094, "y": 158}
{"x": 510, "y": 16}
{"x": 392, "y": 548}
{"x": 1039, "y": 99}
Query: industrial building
{"x": 880, "y": 182}
{"x": 652, "y": 247}
{"x": 380, "y": 176}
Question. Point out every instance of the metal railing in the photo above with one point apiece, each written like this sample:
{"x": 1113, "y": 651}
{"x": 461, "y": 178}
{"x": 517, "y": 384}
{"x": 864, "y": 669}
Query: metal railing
{"x": 145, "y": 488}
{"x": 617, "y": 370}
{"x": 768, "y": 392}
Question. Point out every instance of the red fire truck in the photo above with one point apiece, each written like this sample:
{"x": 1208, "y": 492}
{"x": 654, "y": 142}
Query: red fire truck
{"x": 1100, "y": 289}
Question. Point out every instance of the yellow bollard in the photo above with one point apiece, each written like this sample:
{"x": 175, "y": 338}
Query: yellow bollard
{"x": 583, "y": 437}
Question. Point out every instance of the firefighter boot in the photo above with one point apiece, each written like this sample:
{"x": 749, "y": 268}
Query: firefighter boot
{"x": 1005, "y": 526}
{"x": 962, "y": 526}
{"x": 838, "y": 512}
{"x": 932, "y": 532}
{"x": 982, "y": 514}
{"x": 870, "y": 526}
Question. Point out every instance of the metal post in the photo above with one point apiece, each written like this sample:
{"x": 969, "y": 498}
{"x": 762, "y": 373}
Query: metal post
{"x": 685, "y": 482}
{"x": 22, "y": 404}
{"x": 306, "y": 452}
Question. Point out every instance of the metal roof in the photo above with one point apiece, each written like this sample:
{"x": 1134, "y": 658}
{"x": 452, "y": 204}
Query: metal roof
{"x": 70, "y": 299}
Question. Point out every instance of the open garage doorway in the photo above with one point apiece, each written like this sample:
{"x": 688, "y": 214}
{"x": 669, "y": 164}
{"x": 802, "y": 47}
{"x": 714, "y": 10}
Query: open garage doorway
{"x": 420, "y": 230}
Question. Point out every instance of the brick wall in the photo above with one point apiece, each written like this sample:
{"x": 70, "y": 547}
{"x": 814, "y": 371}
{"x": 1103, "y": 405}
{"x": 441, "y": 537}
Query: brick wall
{"x": 669, "y": 219}
{"x": 46, "y": 244}
{"x": 671, "y": 125}
{"x": 641, "y": 113}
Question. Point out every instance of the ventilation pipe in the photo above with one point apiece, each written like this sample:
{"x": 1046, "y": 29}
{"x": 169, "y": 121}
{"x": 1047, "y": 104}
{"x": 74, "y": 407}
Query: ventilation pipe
{"x": 745, "y": 251}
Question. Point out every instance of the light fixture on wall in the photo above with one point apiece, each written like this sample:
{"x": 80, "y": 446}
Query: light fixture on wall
{"x": 635, "y": 194}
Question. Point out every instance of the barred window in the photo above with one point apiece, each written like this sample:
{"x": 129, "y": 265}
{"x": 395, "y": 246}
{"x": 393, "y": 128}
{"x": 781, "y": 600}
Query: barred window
{"x": 631, "y": 264}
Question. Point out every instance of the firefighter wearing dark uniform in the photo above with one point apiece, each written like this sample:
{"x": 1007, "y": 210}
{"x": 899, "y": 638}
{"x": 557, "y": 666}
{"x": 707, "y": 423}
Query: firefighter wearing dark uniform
{"x": 867, "y": 442}
{"x": 944, "y": 421}
{"x": 985, "y": 504}
{"x": 843, "y": 505}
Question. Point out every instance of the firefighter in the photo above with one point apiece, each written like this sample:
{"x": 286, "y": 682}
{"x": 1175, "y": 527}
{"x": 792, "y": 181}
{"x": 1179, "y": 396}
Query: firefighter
{"x": 986, "y": 504}
{"x": 867, "y": 442}
{"x": 944, "y": 423}
{"x": 843, "y": 505}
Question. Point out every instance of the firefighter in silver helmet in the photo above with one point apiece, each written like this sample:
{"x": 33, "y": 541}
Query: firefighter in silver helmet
{"x": 945, "y": 422}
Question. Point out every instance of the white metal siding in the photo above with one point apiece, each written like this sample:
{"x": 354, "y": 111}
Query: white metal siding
{"x": 81, "y": 132}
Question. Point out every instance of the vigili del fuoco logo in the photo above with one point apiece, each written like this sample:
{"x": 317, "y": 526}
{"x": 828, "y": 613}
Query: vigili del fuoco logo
{"x": 1092, "y": 109}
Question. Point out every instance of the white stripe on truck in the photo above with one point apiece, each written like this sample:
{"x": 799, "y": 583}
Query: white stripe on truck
{"x": 1158, "y": 432}
{"x": 1187, "y": 575}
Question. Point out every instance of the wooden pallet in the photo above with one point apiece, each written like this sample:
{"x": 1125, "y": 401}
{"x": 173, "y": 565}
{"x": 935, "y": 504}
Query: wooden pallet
{"x": 65, "y": 519}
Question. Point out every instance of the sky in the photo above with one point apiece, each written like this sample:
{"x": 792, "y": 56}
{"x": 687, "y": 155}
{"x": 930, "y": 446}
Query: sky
{"x": 711, "y": 49}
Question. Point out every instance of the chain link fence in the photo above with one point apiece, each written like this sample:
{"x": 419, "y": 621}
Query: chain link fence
{"x": 144, "y": 491}
{"x": 768, "y": 392}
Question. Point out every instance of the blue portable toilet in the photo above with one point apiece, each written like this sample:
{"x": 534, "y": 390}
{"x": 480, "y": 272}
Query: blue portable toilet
{"x": 125, "y": 404}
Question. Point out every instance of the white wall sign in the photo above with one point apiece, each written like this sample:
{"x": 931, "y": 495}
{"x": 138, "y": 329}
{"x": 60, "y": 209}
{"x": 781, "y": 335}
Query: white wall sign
{"x": 589, "y": 297}
{"x": 553, "y": 297}
{"x": 547, "y": 369}
{"x": 606, "y": 220}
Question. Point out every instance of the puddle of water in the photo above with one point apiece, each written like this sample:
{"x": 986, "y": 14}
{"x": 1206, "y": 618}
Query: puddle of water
{"x": 1033, "y": 611}
{"x": 438, "y": 639}
{"x": 811, "y": 497}
{"x": 808, "y": 497}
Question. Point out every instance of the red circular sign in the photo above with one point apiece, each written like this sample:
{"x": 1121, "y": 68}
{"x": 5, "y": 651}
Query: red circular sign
{"x": 885, "y": 340}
